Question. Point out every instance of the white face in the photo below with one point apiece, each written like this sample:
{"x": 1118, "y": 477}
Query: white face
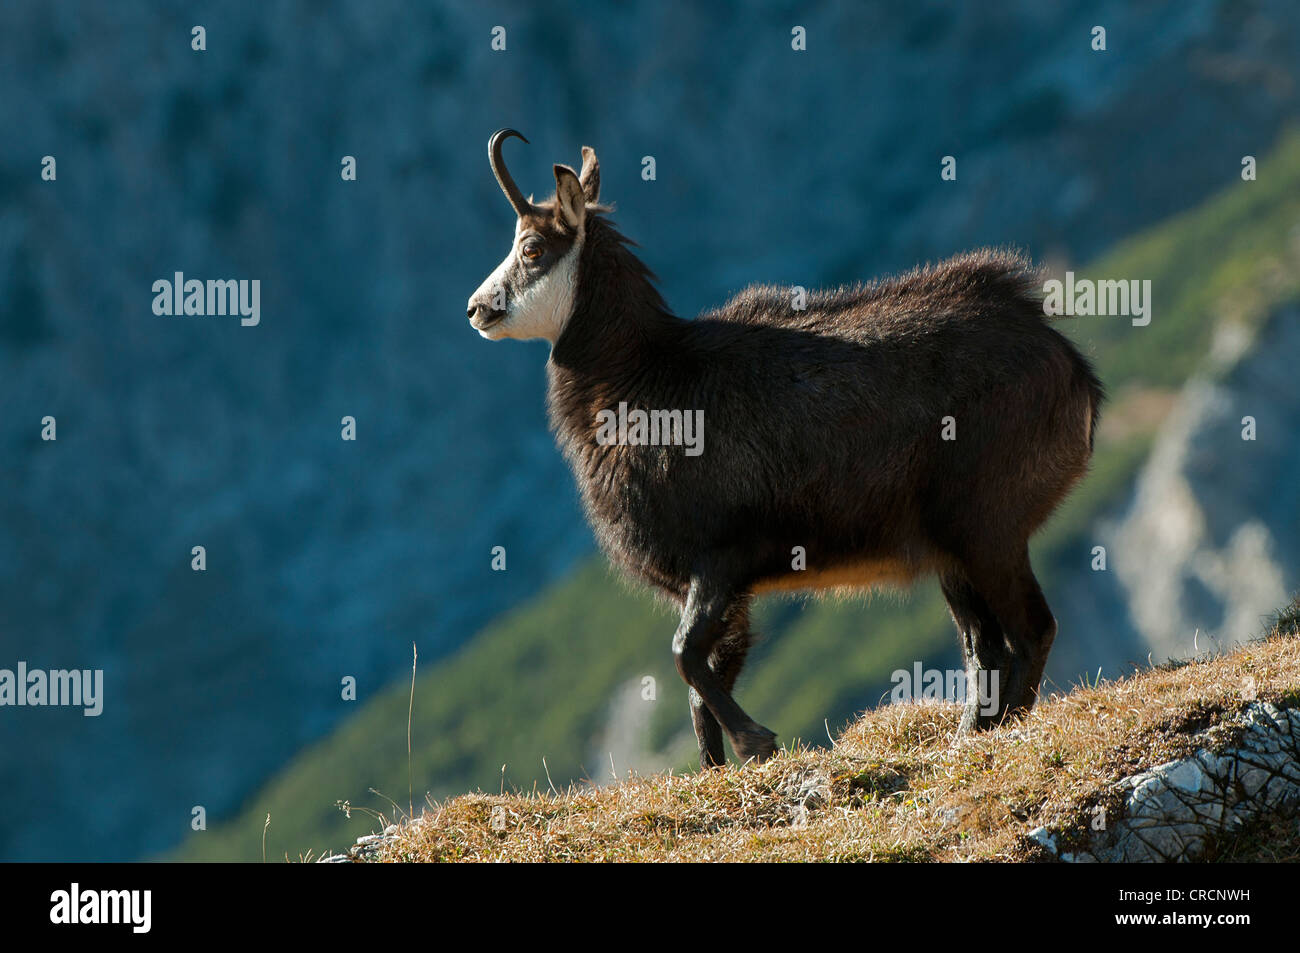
{"x": 536, "y": 285}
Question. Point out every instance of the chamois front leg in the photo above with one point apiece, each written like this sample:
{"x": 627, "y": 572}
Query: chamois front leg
{"x": 704, "y": 623}
{"x": 726, "y": 660}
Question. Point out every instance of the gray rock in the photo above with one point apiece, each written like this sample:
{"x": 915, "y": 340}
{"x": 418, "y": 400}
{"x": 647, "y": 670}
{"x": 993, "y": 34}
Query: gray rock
{"x": 1174, "y": 811}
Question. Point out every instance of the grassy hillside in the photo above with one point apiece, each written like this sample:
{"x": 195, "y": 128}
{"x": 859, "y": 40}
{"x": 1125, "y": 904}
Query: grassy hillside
{"x": 1231, "y": 260}
{"x": 896, "y": 788}
{"x": 538, "y": 682}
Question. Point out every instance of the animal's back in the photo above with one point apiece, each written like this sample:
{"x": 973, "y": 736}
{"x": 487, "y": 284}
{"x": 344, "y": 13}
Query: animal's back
{"x": 834, "y": 420}
{"x": 935, "y": 394}
{"x": 992, "y": 285}
{"x": 961, "y": 333}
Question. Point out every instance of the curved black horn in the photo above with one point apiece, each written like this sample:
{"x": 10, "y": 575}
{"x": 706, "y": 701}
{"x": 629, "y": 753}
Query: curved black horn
{"x": 520, "y": 204}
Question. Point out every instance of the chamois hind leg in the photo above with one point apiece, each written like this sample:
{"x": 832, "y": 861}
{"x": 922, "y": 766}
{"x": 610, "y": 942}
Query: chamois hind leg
{"x": 1030, "y": 625}
{"x": 983, "y": 648}
{"x": 703, "y": 625}
{"x": 1016, "y": 600}
{"x": 726, "y": 661}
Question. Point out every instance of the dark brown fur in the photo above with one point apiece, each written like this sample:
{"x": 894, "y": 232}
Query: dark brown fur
{"x": 823, "y": 430}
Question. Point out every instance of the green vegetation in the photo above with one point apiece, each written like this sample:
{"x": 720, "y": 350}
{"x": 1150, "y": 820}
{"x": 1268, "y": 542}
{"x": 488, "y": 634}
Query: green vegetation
{"x": 537, "y": 683}
{"x": 1232, "y": 259}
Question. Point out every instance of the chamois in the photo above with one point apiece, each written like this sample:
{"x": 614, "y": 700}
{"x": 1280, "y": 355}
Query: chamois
{"x": 927, "y": 423}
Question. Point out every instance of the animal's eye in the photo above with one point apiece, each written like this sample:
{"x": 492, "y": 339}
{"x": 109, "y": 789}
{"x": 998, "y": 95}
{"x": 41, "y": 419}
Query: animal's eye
{"x": 532, "y": 251}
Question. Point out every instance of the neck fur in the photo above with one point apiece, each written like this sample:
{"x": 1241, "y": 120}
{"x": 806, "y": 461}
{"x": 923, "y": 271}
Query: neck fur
{"x": 617, "y": 311}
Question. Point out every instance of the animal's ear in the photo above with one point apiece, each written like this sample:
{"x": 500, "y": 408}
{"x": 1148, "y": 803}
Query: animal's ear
{"x": 590, "y": 176}
{"x": 570, "y": 205}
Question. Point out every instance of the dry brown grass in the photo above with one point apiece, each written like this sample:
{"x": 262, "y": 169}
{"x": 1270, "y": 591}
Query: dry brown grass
{"x": 895, "y": 787}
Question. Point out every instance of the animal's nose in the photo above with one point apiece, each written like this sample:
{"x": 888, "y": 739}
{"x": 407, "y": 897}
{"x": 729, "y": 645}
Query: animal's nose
{"x": 482, "y": 314}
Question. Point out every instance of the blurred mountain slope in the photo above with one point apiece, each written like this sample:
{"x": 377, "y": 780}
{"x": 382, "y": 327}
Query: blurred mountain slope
{"x": 554, "y": 678}
{"x": 328, "y": 559}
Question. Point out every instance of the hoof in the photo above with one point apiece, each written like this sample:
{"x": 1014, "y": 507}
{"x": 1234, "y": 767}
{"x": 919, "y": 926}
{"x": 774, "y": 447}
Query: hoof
{"x": 973, "y": 719}
{"x": 710, "y": 760}
{"x": 757, "y": 744}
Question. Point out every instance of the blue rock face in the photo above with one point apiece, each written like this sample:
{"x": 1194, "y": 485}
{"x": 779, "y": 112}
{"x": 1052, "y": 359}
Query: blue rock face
{"x": 327, "y": 558}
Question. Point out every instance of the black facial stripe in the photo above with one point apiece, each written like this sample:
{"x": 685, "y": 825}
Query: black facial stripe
{"x": 517, "y": 275}
{"x": 523, "y": 273}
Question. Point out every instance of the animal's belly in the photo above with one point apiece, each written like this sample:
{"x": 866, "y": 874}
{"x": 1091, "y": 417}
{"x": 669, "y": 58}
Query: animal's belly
{"x": 863, "y": 574}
